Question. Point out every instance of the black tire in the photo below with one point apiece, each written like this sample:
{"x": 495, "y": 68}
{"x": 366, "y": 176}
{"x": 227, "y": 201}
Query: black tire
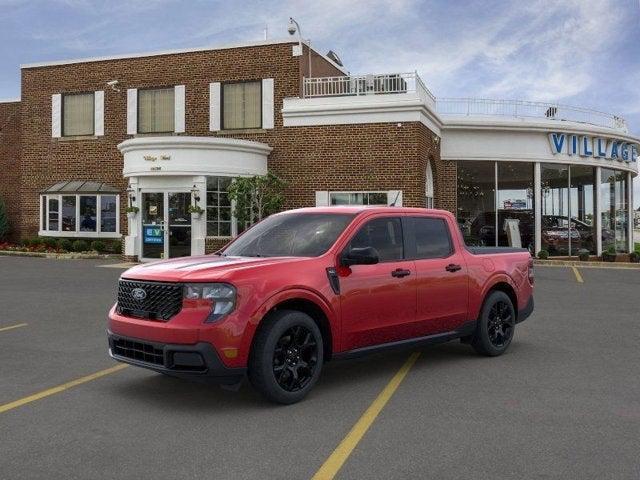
{"x": 286, "y": 357}
{"x": 496, "y": 325}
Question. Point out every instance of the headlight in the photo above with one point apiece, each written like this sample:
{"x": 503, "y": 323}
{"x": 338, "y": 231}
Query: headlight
{"x": 221, "y": 296}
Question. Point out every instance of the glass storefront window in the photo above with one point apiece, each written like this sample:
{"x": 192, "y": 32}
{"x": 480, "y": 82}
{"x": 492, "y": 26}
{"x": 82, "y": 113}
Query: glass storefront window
{"x": 358, "y": 198}
{"x": 516, "y": 219}
{"x": 555, "y": 209}
{"x": 476, "y": 202}
{"x": 53, "y": 213}
{"x": 108, "y": 213}
{"x": 615, "y": 217}
{"x": 88, "y": 214}
{"x": 69, "y": 213}
{"x": 582, "y": 208}
{"x": 218, "y": 207}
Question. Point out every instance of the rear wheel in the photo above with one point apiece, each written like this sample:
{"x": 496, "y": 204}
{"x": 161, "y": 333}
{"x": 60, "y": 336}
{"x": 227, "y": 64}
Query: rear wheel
{"x": 287, "y": 356}
{"x": 496, "y": 325}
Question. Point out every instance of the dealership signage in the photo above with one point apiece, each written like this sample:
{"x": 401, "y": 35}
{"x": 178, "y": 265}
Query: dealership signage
{"x": 597, "y": 147}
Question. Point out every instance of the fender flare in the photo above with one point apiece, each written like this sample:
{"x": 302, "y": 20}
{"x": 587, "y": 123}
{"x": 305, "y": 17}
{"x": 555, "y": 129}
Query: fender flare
{"x": 492, "y": 281}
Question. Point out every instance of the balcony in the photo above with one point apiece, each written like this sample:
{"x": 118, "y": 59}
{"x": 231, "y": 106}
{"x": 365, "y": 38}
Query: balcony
{"x": 528, "y": 110}
{"x": 411, "y": 83}
{"x": 361, "y": 85}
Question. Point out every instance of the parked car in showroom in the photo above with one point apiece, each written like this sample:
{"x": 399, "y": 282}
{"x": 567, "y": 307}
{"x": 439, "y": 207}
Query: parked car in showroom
{"x": 307, "y": 286}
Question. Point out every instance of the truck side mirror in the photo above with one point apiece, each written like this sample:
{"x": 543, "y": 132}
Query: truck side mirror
{"x": 360, "y": 256}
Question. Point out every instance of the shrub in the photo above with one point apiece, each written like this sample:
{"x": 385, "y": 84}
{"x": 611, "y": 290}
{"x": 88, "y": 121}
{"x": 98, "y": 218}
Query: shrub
{"x": 35, "y": 242}
{"x": 609, "y": 255}
{"x": 25, "y": 242}
{"x": 4, "y": 221}
{"x": 49, "y": 242}
{"x": 634, "y": 257}
{"x": 98, "y": 246}
{"x": 583, "y": 254}
{"x": 543, "y": 254}
{"x": 115, "y": 246}
{"x": 80, "y": 246}
{"x": 65, "y": 244}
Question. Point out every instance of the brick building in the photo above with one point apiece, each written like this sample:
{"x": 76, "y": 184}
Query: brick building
{"x": 162, "y": 131}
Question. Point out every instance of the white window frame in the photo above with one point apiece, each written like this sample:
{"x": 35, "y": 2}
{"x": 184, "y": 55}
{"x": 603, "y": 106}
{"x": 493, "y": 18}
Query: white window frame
{"x": 429, "y": 187}
{"x": 386, "y": 192}
{"x": 234, "y": 220}
{"x": 93, "y": 117}
{"x": 44, "y": 216}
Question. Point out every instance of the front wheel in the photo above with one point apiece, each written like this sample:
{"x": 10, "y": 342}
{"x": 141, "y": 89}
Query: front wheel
{"x": 287, "y": 356}
{"x": 496, "y": 325}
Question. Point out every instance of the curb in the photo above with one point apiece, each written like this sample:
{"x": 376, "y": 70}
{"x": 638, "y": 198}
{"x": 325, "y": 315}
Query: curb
{"x": 60, "y": 256}
{"x": 575, "y": 263}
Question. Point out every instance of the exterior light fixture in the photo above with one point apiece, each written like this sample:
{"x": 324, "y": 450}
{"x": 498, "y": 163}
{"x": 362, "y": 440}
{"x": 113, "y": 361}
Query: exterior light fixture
{"x": 195, "y": 192}
{"x": 132, "y": 194}
{"x": 292, "y": 29}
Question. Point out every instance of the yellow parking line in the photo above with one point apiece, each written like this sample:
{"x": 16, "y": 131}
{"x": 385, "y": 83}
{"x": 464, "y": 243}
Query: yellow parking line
{"x": 4, "y": 329}
{"x": 334, "y": 463}
{"x": 60, "y": 388}
{"x": 577, "y": 274}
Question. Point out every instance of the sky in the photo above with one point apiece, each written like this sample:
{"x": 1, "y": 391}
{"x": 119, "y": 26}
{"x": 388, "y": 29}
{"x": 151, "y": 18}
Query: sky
{"x": 577, "y": 52}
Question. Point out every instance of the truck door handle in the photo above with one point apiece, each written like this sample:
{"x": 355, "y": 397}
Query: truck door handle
{"x": 452, "y": 267}
{"x": 400, "y": 272}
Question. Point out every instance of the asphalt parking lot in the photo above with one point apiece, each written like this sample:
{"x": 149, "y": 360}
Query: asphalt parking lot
{"x": 564, "y": 402}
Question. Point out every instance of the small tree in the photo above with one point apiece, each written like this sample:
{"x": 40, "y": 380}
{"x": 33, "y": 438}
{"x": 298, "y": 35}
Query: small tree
{"x": 4, "y": 221}
{"x": 256, "y": 197}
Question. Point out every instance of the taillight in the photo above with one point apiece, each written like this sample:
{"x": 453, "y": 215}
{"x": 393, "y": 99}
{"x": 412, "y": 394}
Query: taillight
{"x": 532, "y": 275}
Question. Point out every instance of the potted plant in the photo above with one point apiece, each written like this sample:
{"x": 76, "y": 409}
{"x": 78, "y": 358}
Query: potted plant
{"x": 610, "y": 254}
{"x": 195, "y": 211}
{"x": 583, "y": 255}
{"x": 543, "y": 254}
{"x": 132, "y": 211}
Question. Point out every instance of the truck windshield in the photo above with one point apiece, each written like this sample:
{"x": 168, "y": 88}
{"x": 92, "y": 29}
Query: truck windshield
{"x": 290, "y": 235}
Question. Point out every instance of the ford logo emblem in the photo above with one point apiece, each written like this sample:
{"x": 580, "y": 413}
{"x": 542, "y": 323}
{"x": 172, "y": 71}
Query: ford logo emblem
{"x": 138, "y": 294}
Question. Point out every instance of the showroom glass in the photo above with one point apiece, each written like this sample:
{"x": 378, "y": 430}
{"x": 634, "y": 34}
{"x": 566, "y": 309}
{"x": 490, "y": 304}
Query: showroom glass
{"x": 156, "y": 110}
{"x": 69, "y": 213}
{"x": 88, "y": 214}
{"x": 78, "y": 114}
{"x": 290, "y": 235}
{"x": 516, "y": 205}
{"x": 476, "y": 202}
{"x": 613, "y": 207}
{"x": 555, "y": 209}
{"x": 241, "y": 105}
{"x": 383, "y": 234}
{"x": 432, "y": 238}
{"x": 358, "y": 198}
{"x": 582, "y": 196}
{"x": 218, "y": 207}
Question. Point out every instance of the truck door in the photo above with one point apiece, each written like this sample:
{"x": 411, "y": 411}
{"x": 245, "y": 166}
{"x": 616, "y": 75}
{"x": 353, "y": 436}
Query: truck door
{"x": 378, "y": 302}
{"x": 442, "y": 280}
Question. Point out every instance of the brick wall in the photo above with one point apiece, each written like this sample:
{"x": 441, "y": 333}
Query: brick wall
{"x": 9, "y": 161}
{"x": 444, "y": 171}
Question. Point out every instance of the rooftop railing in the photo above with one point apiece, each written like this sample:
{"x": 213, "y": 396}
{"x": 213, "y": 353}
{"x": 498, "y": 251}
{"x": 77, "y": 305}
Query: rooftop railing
{"x": 526, "y": 109}
{"x": 356, "y": 85}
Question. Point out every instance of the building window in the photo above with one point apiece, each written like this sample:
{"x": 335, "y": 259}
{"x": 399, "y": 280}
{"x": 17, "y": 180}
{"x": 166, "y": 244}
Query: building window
{"x": 615, "y": 216}
{"x": 516, "y": 221}
{"x": 358, "y": 198}
{"x": 156, "y": 110}
{"x": 429, "y": 190}
{"x": 477, "y": 202}
{"x": 78, "y": 114}
{"x": 219, "y": 218}
{"x": 78, "y": 215}
{"x": 241, "y": 105}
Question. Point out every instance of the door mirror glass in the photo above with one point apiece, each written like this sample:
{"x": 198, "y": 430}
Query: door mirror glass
{"x": 360, "y": 256}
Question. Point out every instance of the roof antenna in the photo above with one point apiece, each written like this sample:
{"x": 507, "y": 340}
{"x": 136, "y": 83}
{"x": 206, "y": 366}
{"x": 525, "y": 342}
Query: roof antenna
{"x": 393, "y": 204}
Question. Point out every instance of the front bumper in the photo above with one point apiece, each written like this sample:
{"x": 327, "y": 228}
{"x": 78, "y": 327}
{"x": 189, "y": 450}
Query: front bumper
{"x": 199, "y": 362}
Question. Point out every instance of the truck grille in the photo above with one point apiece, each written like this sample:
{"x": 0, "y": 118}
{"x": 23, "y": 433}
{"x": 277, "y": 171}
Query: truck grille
{"x": 144, "y": 352}
{"x": 149, "y": 300}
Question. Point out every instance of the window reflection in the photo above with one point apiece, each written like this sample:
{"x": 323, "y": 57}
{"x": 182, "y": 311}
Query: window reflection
{"x": 581, "y": 205}
{"x": 476, "y": 202}
{"x": 555, "y": 209}
{"x": 516, "y": 221}
{"x": 613, "y": 201}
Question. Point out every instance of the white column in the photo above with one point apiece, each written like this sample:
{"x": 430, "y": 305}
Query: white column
{"x": 537, "y": 203}
{"x": 132, "y": 243}
{"x": 630, "y": 211}
{"x": 598, "y": 210}
{"x": 199, "y": 225}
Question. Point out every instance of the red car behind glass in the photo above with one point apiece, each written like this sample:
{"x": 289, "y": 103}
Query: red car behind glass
{"x": 307, "y": 286}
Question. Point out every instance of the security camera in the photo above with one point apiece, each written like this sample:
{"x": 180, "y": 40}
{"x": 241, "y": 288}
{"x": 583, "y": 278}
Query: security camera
{"x": 292, "y": 27}
{"x": 112, "y": 84}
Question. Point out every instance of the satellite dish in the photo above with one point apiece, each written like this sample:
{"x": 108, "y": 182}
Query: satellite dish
{"x": 334, "y": 56}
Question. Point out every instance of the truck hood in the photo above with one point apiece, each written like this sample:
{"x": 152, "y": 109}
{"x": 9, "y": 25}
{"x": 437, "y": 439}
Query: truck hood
{"x": 200, "y": 268}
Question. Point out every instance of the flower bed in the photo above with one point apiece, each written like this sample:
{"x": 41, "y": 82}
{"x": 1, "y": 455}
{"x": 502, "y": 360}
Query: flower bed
{"x": 50, "y": 246}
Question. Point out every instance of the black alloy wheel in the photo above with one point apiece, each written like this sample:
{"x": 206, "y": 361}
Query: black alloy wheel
{"x": 295, "y": 358}
{"x": 495, "y": 326}
{"x": 501, "y": 324}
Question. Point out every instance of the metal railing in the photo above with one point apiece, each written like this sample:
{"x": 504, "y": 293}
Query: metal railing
{"x": 526, "y": 109}
{"x": 356, "y": 85}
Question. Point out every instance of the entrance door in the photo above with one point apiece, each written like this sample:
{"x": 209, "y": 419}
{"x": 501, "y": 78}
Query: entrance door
{"x": 166, "y": 225}
{"x": 179, "y": 225}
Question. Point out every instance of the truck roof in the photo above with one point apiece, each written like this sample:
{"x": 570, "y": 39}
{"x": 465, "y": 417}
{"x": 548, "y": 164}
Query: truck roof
{"x": 356, "y": 209}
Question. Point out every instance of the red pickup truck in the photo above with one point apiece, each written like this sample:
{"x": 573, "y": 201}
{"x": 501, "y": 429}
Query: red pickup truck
{"x": 306, "y": 286}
